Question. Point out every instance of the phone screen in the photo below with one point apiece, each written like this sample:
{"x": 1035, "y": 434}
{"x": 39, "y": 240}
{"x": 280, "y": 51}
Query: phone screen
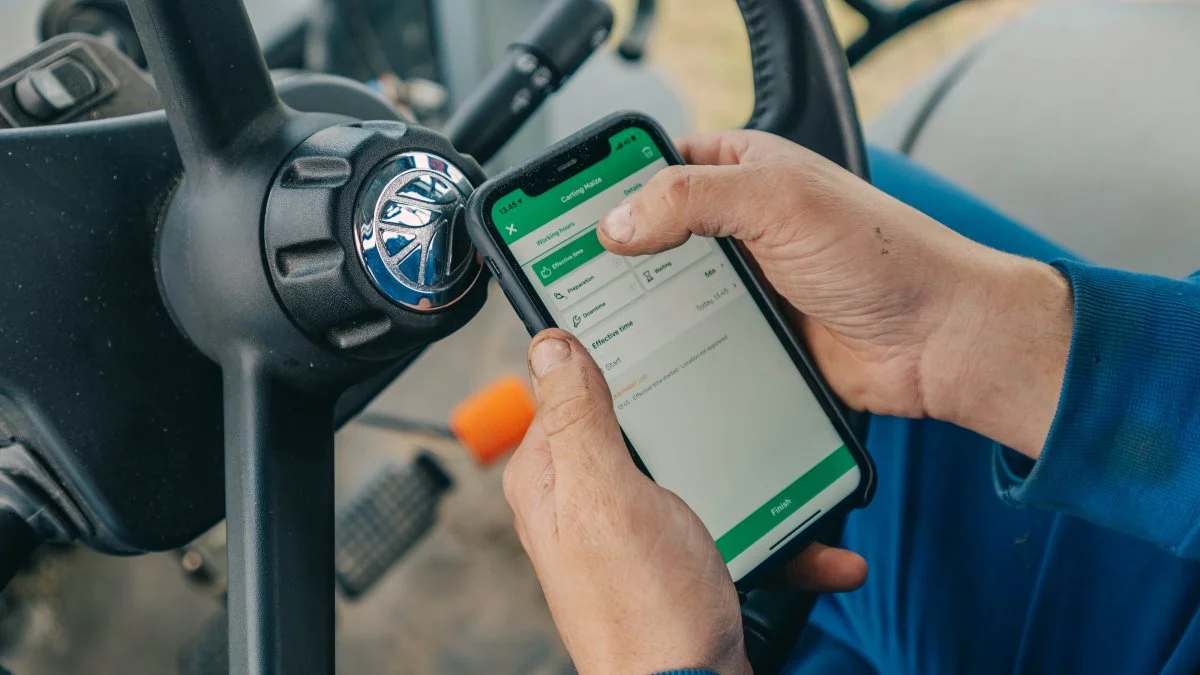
{"x": 709, "y": 398}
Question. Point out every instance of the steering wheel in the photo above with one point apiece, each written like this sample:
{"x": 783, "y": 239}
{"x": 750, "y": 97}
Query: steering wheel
{"x": 217, "y": 277}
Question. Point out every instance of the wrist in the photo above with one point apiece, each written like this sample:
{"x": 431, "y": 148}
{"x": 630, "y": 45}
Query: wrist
{"x": 996, "y": 364}
{"x": 736, "y": 664}
{"x": 738, "y": 668}
{"x": 663, "y": 651}
{"x": 733, "y": 664}
{"x": 728, "y": 660}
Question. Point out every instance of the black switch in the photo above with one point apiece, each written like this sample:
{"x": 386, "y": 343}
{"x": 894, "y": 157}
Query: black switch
{"x": 56, "y": 89}
{"x": 495, "y": 269}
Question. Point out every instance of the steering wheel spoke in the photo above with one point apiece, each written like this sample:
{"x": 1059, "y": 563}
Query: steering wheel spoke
{"x": 211, "y": 73}
{"x": 280, "y": 515}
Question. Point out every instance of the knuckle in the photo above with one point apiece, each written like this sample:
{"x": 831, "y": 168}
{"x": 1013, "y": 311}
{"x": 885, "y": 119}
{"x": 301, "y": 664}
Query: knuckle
{"x": 676, "y": 182}
{"x": 578, "y": 410}
{"x": 737, "y": 147}
{"x": 527, "y": 480}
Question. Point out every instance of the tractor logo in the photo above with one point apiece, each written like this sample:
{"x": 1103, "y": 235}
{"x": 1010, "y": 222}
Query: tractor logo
{"x": 412, "y": 233}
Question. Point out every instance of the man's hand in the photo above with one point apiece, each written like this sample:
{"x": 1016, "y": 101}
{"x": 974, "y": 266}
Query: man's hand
{"x": 632, "y": 577}
{"x": 905, "y": 317}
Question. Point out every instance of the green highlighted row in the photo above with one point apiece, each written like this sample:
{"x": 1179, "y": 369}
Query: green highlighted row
{"x": 566, "y": 259}
{"x": 758, "y": 524}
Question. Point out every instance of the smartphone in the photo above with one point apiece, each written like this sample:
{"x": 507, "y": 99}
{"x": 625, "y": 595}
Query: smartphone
{"x": 718, "y": 400}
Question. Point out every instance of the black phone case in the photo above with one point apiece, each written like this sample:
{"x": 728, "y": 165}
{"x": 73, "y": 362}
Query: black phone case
{"x": 537, "y": 318}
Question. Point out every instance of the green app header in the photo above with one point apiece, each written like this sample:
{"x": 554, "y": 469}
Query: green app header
{"x": 516, "y": 214}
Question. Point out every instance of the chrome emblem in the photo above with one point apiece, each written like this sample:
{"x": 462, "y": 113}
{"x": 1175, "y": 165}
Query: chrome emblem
{"x": 411, "y": 234}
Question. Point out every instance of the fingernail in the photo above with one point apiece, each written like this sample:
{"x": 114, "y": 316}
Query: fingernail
{"x": 548, "y": 354}
{"x": 618, "y": 223}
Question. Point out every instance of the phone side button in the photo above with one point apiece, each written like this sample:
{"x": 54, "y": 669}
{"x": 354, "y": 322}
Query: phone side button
{"x": 494, "y": 269}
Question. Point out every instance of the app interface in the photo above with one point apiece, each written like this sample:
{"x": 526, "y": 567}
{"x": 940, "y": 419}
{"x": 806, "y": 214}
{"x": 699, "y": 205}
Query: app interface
{"x": 709, "y": 398}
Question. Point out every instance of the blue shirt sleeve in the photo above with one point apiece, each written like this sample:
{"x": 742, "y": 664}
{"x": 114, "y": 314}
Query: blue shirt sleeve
{"x": 1124, "y": 449}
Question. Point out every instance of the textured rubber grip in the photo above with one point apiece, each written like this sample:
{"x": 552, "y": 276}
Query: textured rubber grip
{"x": 801, "y": 88}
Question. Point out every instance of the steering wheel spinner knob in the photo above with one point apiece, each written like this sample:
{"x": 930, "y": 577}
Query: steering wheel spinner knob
{"x": 409, "y": 226}
{"x": 366, "y": 240}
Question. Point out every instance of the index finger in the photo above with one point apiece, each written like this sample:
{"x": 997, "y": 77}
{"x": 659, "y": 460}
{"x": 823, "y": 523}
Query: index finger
{"x": 825, "y": 569}
{"x": 712, "y": 149}
{"x": 726, "y": 148}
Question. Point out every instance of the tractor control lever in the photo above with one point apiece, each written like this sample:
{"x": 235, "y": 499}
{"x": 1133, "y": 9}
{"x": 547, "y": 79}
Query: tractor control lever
{"x": 535, "y": 65}
{"x": 633, "y": 46}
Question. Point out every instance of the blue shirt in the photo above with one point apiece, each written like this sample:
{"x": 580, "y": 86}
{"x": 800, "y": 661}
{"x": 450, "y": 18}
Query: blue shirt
{"x": 1086, "y": 561}
{"x": 1124, "y": 449}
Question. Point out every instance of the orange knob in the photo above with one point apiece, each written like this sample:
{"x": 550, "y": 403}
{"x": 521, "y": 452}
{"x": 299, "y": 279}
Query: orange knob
{"x": 493, "y": 420}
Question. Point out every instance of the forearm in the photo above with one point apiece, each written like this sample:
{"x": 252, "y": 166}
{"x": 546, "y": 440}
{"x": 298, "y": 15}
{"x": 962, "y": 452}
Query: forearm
{"x": 996, "y": 366}
{"x": 1098, "y": 383}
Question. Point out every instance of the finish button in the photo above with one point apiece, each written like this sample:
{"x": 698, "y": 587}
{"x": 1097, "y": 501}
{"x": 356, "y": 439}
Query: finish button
{"x": 760, "y": 523}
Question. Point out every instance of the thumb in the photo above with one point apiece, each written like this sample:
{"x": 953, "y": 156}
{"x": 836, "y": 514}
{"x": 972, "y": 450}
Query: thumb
{"x": 575, "y": 409}
{"x": 710, "y": 201}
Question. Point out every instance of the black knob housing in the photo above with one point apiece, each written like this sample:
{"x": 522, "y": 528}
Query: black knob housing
{"x": 311, "y": 238}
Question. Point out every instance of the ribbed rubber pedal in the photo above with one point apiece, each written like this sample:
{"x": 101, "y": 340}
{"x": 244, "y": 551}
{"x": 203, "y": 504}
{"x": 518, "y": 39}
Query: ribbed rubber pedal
{"x": 385, "y": 519}
{"x": 380, "y": 523}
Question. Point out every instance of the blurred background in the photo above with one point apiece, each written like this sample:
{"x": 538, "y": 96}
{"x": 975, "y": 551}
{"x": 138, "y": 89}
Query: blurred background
{"x": 463, "y": 599}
